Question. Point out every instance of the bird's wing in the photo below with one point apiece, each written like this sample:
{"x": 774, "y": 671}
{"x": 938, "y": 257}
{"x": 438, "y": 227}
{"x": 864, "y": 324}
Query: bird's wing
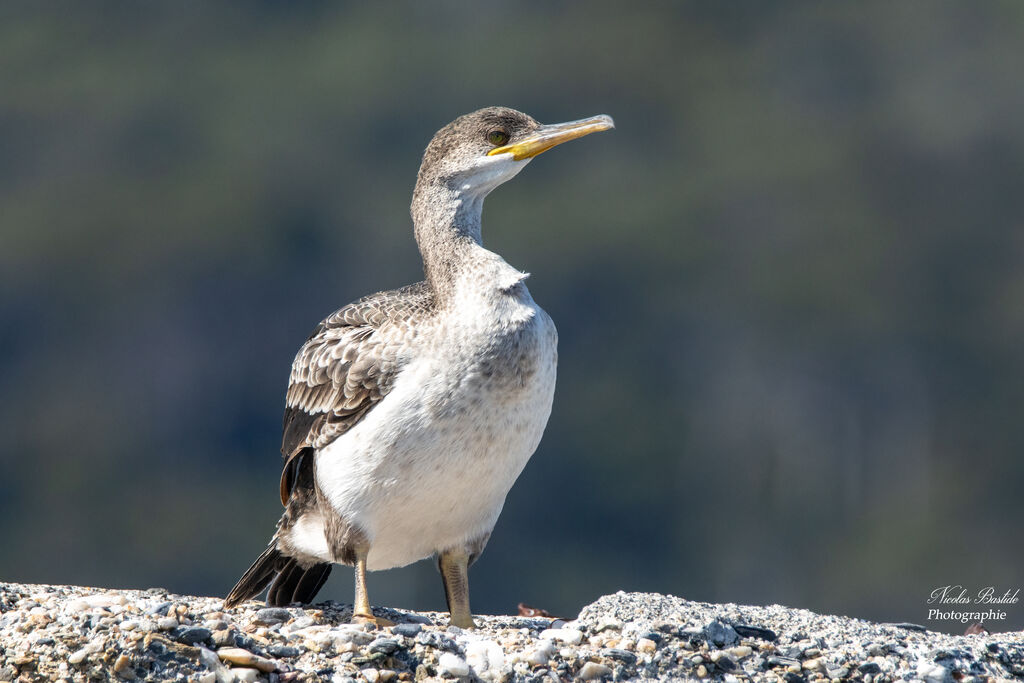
{"x": 344, "y": 369}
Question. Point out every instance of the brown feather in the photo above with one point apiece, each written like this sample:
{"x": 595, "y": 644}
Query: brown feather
{"x": 343, "y": 370}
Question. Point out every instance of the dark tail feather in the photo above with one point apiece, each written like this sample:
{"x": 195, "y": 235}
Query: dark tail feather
{"x": 297, "y": 584}
{"x": 256, "y": 577}
{"x": 293, "y": 583}
{"x": 311, "y": 583}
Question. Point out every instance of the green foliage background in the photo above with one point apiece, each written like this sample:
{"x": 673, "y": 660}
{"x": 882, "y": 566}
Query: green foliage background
{"x": 789, "y": 286}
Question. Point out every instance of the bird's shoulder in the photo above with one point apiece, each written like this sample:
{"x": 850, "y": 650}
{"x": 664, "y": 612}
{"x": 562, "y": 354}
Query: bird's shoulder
{"x": 348, "y": 364}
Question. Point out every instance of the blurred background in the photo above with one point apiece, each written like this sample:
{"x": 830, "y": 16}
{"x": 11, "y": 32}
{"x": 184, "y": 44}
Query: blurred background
{"x": 789, "y": 286}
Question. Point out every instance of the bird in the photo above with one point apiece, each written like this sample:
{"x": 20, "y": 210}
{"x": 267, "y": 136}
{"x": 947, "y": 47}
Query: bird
{"x": 410, "y": 413}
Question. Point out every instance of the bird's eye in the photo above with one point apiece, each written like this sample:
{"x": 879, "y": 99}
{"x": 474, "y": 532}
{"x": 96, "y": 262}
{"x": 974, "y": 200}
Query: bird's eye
{"x": 497, "y": 137}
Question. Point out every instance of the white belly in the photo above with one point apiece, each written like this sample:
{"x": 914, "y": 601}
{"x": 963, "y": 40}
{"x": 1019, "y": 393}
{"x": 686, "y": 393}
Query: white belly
{"x": 429, "y": 468}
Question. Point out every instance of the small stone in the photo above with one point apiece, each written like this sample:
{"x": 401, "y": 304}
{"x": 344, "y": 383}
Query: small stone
{"x": 406, "y": 630}
{"x": 387, "y": 675}
{"x": 608, "y": 623}
{"x": 246, "y": 675}
{"x": 747, "y": 631}
{"x": 592, "y": 671}
{"x": 869, "y": 668}
{"x": 453, "y": 665}
{"x": 371, "y": 675}
{"x": 79, "y": 656}
{"x": 159, "y": 609}
{"x": 222, "y": 638}
{"x": 814, "y": 664}
{"x": 741, "y": 651}
{"x": 485, "y": 656}
{"x": 702, "y": 671}
{"x": 122, "y": 663}
{"x": 385, "y": 645}
{"x": 122, "y": 667}
{"x": 166, "y": 623}
{"x": 646, "y": 645}
{"x": 570, "y": 636}
{"x": 286, "y": 651}
{"x": 95, "y": 601}
{"x": 418, "y": 619}
{"x": 624, "y": 656}
{"x": 210, "y": 660}
{"x": 236, "y": 655}
{"x": 541, "y": 655}
{"x": 303, "y": 622}
{"x": 271, "y": 615}
{"x": 208, "y": 677}
{"x": 723, "y": 660}
{"x": 193, "y": 635}
{"x": 784, "y": 662}
{"x": 721, "y": 634}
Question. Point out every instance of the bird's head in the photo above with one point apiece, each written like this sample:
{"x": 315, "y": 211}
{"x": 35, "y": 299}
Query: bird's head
{"x": 475, "y": 153}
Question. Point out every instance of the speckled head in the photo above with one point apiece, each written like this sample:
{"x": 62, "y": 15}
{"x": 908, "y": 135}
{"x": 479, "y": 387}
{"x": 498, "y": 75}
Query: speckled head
{"x": 477, "y": 152}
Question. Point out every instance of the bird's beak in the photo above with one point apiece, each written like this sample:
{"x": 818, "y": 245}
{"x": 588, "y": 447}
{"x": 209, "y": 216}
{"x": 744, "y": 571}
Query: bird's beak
{"x": 546, "y": 137}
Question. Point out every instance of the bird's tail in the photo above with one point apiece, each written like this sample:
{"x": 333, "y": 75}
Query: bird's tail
{"x": 291, "y": 581}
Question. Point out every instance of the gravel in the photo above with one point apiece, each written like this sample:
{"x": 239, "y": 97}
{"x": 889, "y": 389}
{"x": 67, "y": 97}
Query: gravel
{"x": 71, "y": 633}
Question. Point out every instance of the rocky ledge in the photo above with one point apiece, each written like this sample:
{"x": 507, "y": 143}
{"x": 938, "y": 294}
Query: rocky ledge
{"x": 70, "y": 633}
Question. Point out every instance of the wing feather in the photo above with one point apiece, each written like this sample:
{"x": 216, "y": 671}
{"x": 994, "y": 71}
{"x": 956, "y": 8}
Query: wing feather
{"x": 345, "y": 368}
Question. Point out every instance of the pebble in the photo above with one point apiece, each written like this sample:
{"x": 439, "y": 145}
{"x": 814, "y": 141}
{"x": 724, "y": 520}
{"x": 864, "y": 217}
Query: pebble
{"x": 95, "y": 601}
{"x": 563, "y": 635}
{"x": 593, "y": 671}
{"x": 193, "y": 635}
{"x": 624, "y": 656}
{"x": 271, "y": 615}
{"x": 79, "y": 656}
{"x": 453, "y": 665}
{"x": 222, "y": 638}
{"x": 542, "y": 654}
{"x": 607, "y": 623}
{"x": 485, "y": 657}
{"x": 814, "y": 664}
{"x": 166, "y": 623}
{"x": 646, "y": 645}
{"x": 236, "y": 655}
{"x": 385, "y": 645}
{"x": 721, "y": 634}
{"x": 406, "y": 630}
{"x": 302, "y": 622}
{"x": 246, "y": 675}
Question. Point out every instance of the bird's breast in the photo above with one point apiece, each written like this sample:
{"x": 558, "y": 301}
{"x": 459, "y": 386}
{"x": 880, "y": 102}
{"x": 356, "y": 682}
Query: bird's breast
{"x": 504, "y": 344}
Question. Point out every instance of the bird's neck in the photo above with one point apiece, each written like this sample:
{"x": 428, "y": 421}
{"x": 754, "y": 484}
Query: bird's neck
{"x": 447, "y": 227}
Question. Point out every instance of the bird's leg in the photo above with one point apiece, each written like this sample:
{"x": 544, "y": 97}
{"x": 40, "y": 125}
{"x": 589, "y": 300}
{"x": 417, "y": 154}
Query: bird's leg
{"x": 454, "y": 566}
{"x": 361, "y": 612}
